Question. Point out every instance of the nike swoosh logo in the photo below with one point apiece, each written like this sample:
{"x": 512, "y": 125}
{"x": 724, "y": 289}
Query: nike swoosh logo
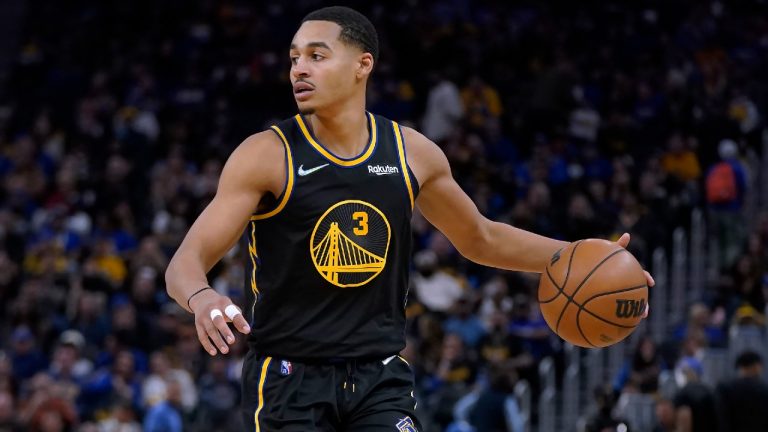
{"x": 302, "y": 172}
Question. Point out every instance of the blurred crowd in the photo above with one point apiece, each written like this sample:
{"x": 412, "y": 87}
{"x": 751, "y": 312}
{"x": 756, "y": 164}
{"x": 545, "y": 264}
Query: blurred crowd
{"x": 575, "y": 121}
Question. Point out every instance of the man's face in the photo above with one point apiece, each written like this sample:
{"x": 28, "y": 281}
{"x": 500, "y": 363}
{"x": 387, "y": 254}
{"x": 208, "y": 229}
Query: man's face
{"x": 65, "y": 356}
{"x": 324, "y": 70}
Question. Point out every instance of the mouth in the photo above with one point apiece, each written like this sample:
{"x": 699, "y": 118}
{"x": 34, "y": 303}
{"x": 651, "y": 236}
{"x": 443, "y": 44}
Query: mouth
{"x": 302, "y": 91}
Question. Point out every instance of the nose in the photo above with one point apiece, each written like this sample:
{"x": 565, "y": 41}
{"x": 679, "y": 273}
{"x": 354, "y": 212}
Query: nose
{"x": 300, "y": 69}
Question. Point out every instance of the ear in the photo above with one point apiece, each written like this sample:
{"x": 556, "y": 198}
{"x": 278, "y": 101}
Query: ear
{"x": 364, "y": 65}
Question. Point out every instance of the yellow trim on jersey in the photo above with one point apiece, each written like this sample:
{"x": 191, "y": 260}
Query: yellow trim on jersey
{"x": 404, "y": 360}
{"x": 262, "y": 379}
{"x": 403, "y": 164}
{"x": 288, "y": 185}
{"x": 330, "y": 156}
{"x": 254, "y": 256}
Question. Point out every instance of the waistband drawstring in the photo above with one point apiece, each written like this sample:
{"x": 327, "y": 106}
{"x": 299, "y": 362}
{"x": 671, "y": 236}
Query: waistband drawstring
{"x": 351, "y": 366}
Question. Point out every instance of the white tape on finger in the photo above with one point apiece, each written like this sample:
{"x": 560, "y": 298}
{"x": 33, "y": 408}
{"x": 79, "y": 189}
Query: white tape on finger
{"x": 215, "y": 313}
{"x": 231, "y": 311}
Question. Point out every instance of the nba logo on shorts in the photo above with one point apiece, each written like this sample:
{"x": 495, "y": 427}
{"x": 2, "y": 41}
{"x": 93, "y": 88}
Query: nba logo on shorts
{"x": 406, "y": 425}
{"x": 285, "y": 368}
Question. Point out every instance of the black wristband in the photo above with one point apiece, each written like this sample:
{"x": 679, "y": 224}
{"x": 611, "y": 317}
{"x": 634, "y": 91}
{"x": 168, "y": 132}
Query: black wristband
{"x": 196, "y": 293}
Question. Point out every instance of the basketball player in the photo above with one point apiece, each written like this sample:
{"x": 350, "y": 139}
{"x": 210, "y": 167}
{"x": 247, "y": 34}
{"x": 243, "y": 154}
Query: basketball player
{"x": 325, "y": 199}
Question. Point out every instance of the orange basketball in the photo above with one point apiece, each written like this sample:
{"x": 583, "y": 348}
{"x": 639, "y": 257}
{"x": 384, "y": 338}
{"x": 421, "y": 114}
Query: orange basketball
{"x": 593, "y": 293}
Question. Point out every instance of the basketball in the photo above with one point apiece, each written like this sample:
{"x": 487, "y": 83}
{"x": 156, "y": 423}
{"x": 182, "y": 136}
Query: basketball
{"x": 593, "y": 293}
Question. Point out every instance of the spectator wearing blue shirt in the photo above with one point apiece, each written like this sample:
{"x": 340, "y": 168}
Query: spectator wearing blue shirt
{"x": 528, "y": 325}
{"x": 26, "y": 358}
{"x": 465, "y": 324}
{"x": 165, "y": 416}
{"x": 726, "y": 187}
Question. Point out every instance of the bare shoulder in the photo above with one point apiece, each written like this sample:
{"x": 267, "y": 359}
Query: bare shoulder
{"x": 425, "y": 158}
{"x": 265, "y": 145}
{"x": 259, "y": 161}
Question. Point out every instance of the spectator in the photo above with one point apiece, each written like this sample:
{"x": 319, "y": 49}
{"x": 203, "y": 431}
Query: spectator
{"x": 496, "y": 409}
{"x": 155, "y": 386}
{"x": 481, "y": 102}
{"x": 642, "y": 373}
{"x": 435, "y": 289}
{"x": 726, "y": 185}
{"x": 695, "y": 404}
{"x": 68, "y": 365}
{"x": 584, "y": 121}
{"x": 52, "y": 415}
{"x": 451, "y": 378}
{"x": 665, "y": 416}
{"x": 50, "y": 406}
{"x": 464, "y": 323}
{"x": 495, "y": 300}
{"x": 69, "y": 370}
{"x": 219, "y": 397}
{"x": 604, "y": 419}
{"x": 444, "y": 108}
{"x": 120, "y": 382}
{"x": 747, "y": 320}
{"x": 91, "y": 319}
{"x": 581, "y": 220}
{"x": 744, "y": 396}
{"x": 165, "y": 415}
{"x": 27, "y": 359}
{"x": 124, "y": 324}
{"x": 528, "y": 324}
{"x": 106, "y": 264}
{"x": 499, "y": 347}
{"x": 680, "y": 159}
{"x": 700, "y": 320}
{"x": 748, "y": 284}
{"x": 121, "y": 418}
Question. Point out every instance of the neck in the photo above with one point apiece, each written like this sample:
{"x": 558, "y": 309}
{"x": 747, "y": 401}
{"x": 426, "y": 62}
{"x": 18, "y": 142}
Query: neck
{"x": 345, "y": 132}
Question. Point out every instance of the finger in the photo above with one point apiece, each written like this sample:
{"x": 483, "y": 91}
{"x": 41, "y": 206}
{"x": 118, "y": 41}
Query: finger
{"x": 236, "y": 316}
{"x": 214, "y": 335}
{"x": 223, "y": 329}
{"x": 241, "y": 324}
{"x": 647, "y": 309}
{"x": 649, "y": 279}
{"x": 204, "y": 341}
{"x": 623, "y": 241}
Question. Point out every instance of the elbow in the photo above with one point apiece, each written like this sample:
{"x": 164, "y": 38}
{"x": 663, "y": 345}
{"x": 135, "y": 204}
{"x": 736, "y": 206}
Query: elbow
{"x": 476, "y": 245}
{"x": 168, "y": 278}
{"x": 170, "y": 274}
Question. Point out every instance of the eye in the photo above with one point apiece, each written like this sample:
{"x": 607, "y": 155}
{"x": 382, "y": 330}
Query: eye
{"x": 317, "y": 57}
{"x": 294, "y": 59}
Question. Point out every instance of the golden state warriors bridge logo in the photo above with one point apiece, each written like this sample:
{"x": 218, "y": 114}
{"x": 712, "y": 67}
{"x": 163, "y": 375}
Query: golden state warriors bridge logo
{"x": 350, "y": 242}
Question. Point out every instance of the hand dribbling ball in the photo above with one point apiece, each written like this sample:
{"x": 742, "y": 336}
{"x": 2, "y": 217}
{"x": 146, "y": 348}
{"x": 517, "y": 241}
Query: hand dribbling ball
{"x": 593, "y": 293}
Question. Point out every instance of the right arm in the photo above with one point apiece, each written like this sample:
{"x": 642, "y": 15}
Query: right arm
{"x": 255, "y": 168}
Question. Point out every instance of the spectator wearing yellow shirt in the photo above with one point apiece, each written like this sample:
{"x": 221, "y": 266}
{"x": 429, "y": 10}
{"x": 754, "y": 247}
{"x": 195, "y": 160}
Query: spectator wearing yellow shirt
{"x": 481, "y": 102}
{"x": 680, "y": 160}
{"x": 106, "y": 263}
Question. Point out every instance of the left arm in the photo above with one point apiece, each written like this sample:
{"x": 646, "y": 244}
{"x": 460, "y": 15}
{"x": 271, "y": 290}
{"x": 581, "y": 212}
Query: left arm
{"x": 479, "y": 239}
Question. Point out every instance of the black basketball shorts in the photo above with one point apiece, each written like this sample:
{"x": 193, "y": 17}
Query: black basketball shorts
{"x": 333, "y": 395}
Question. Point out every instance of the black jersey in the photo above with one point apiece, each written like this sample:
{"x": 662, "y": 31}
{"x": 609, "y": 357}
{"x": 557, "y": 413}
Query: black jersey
{"x": 329, "y": 263}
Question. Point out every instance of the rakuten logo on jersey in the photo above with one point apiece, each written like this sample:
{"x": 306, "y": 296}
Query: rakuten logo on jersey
{"x": 383, "y": 169}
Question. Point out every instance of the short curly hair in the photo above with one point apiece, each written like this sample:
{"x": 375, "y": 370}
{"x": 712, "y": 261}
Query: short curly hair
{"x": 356, "y": 29}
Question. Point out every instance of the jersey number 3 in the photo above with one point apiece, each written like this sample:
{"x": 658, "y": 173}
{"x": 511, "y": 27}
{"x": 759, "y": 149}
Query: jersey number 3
{"x": 362, "y": 223}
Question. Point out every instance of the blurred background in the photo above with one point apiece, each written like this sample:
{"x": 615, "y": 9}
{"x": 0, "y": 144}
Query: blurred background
{"x": 572, "y": 120}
